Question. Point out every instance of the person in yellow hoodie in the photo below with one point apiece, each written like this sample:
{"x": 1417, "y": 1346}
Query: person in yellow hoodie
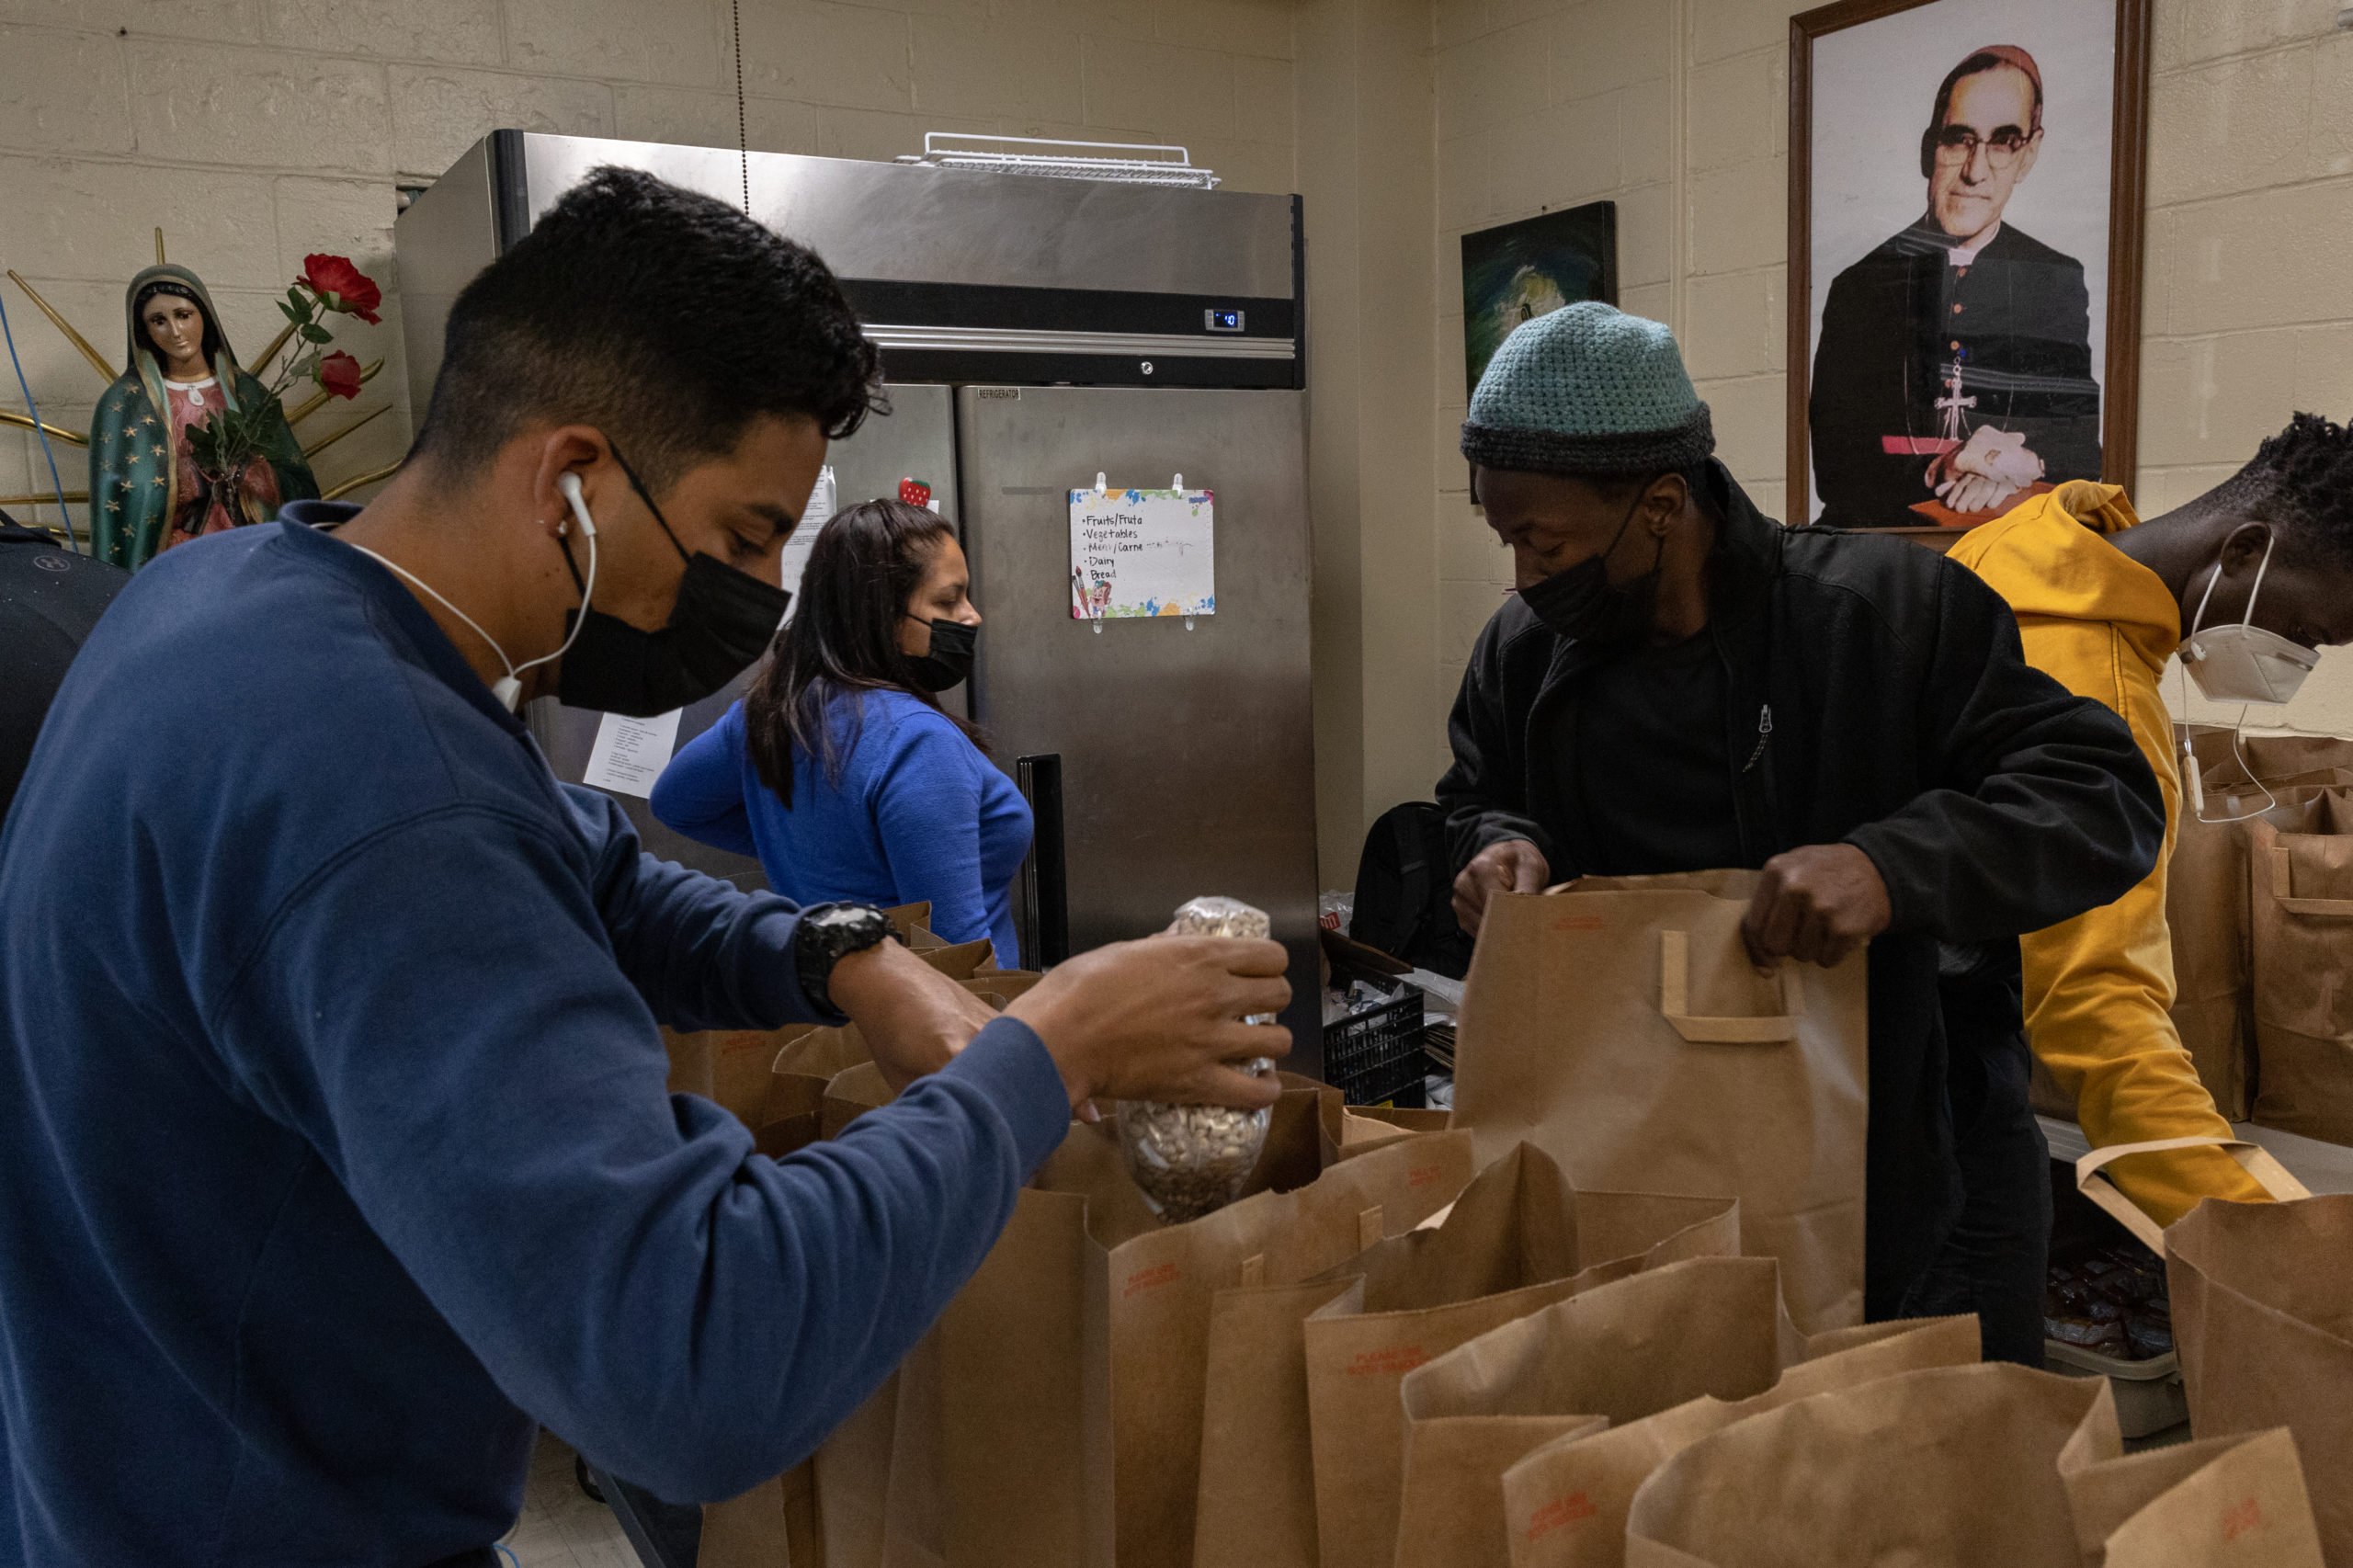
{"x": 2246, "y": 583}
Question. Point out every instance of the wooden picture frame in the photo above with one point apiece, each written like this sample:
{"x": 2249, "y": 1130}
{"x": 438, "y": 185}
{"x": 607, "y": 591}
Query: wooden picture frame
{"x": 2127, "y": 191}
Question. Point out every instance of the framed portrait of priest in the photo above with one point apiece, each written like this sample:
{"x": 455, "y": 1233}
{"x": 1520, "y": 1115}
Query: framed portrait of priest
{"x": 1966, "y": 192}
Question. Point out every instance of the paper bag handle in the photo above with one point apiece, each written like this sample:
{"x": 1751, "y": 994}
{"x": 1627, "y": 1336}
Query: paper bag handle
{"x": 2282, "y": 879}
{"x": 2254, "y": 1159}
{"x": 1675, "y": 1001}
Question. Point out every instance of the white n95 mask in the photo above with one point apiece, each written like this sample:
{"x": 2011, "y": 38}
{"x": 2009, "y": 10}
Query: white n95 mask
{"x": 2243, "y": 663}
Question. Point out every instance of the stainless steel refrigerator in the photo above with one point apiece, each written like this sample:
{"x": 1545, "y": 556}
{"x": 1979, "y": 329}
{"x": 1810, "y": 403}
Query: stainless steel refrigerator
{"x": 1038, "y": 332}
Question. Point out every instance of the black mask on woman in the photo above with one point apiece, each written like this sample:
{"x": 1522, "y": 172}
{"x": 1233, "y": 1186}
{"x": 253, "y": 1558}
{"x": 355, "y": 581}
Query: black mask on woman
{"x": 950, "y": 662}
{"x": 724, "y": 619}
{"x": 1582, "y": 605}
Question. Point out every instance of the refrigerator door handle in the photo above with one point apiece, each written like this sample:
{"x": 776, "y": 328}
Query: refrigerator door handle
{"x": 1045, "y": 885}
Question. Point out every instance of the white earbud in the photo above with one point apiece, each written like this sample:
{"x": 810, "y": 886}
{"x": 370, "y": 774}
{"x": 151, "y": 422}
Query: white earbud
{"x": 568, "y": 486}
{"x": 507, "y": 689}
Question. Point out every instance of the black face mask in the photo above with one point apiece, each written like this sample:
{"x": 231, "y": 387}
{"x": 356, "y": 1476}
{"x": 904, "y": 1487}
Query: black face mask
{"x": 950, "y": 662}
{"x": 1582, "y": 605}
{"x": 724, "y": 619}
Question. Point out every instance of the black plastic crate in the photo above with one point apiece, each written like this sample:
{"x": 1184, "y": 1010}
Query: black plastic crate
{"x": 1376, "y": 1056}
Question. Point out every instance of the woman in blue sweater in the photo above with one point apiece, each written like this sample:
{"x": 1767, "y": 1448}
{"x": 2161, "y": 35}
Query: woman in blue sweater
{"x": 839, "y": 770}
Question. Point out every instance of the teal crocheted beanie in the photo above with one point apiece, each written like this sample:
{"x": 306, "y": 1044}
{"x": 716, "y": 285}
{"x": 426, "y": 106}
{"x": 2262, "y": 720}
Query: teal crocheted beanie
{"x": 1588, "y": 390}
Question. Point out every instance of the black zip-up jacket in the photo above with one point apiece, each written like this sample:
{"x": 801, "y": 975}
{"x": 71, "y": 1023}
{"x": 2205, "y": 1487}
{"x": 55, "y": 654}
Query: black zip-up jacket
{"x": 1876, "y": 694}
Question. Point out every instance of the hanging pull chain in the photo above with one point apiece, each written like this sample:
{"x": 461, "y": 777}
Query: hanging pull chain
{"x": 743, "y": 136}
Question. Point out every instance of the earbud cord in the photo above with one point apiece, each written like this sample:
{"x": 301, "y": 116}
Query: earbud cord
{"x": 436, "y": 596}
{"x": 509, "y": 689}
{"x": 2190, "y": 769}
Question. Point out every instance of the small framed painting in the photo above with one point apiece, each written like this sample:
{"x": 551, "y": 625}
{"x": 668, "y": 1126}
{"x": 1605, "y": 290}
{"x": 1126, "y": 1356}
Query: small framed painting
{"x": 1966, "y": 189}
{"x": 1517, "y": 272}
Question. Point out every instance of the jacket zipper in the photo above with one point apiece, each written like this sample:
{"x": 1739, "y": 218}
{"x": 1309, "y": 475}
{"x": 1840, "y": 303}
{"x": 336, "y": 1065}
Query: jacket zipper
{"x": 1764, "y": 736}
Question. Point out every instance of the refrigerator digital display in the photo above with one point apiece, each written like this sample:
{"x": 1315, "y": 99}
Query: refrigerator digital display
{"x": 1222, "y": 321}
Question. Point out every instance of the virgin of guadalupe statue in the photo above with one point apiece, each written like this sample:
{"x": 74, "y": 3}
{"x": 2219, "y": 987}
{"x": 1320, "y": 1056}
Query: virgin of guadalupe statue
{"x": 147, "y": 491}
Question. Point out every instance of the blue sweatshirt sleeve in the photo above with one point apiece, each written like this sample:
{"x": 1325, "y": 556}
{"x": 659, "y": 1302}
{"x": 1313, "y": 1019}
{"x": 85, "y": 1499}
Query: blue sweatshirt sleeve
{"x": 927, "y": 800}
{"x": 702, "y": 954}
{"x": 439, "y": 1015}
{"x": 700, "y": 794}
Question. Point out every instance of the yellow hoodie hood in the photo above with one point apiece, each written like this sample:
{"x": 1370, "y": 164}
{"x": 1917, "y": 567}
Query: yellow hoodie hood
{"x": 2051, "y": 558}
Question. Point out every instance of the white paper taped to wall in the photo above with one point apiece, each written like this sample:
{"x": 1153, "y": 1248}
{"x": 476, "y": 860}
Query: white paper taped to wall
{"x": 795, "y": 558}
{"x": 1142, "y": 552}
{"x": 630, "y": 753}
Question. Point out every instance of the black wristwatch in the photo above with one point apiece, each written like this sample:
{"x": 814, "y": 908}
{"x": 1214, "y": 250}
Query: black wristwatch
{"x": 826, "y": 935}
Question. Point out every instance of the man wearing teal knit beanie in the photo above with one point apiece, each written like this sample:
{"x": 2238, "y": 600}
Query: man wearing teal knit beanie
{"x": 1680, "y": 683}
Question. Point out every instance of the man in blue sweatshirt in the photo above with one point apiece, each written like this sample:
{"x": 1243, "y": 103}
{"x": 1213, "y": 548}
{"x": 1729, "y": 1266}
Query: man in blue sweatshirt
{"x": 333, "y": 1131}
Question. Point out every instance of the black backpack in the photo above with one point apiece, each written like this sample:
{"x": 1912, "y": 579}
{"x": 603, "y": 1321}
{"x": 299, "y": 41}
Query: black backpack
{"x": 1404, "y": 903}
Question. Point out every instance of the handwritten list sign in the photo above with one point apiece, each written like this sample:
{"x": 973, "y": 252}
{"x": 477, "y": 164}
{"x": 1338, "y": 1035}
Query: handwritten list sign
{"x": 1143, "y": 552}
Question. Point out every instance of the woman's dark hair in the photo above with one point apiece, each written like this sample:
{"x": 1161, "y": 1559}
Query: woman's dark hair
{"x": 843, "y": 640}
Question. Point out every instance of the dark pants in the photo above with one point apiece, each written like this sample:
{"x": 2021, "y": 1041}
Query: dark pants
{"x": 1994, "y": 1261}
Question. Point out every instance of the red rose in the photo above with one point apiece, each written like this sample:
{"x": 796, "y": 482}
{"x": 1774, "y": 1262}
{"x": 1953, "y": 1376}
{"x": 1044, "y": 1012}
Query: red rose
{"x": 343, "y": 286}
{"x": 339, "y": 375}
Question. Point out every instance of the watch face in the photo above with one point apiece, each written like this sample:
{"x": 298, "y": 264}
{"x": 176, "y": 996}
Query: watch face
{"x": 847, "y": 928}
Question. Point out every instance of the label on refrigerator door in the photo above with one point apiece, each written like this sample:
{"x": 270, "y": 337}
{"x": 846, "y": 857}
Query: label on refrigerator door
{"x": 630, "y": 753}
{"x": 1142, "y": 552}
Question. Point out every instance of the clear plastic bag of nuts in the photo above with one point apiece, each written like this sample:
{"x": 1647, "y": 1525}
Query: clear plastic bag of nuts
{"x": 1192, "y": 1159}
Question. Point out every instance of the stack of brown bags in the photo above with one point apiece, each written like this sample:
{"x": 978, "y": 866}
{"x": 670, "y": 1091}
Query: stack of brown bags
{"x": 2262, "y": 918}
{"x": 1387, "y": 1355}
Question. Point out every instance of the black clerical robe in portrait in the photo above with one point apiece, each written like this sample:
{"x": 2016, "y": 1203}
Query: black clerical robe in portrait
{"x": 2017, "y": 322}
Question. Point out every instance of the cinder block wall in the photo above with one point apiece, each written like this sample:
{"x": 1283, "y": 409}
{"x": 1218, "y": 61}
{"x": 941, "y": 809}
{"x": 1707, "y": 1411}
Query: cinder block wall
{"x": 1677, "y": 110}
{"x": 254, "y": 131}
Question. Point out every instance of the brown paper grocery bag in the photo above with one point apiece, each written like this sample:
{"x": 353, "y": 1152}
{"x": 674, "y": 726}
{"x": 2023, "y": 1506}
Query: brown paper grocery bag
{"x": 1256, "y": 1504}
{"x": 774, "y": 1524}
{"x": 1518, "y": 1222}
{"x": 1520, "y": 1239}
{"x": 1952, "y": 1467}
{"x": 1008, "y": 985}
{"x": 852, "y": 1469}
{"x": 1565, "y": 1504}
{"x": 2207, "y": 894}
{"x": 1613, "y": 1353}
{"x": 1073, "y": 1368}
{"x": 2206, "y": 914}
{"x": 1450, "y": 1503}
{"x": 2217, "y": 1503}
{"x": 2301, "y": 921}
{"x": 962, "y": 961}
{"x": 1618, "y": 1026}
{"x": 732, "y": 1067}
{"x": 2262, "y": 1319}
{"x": 2271, "y": 760}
